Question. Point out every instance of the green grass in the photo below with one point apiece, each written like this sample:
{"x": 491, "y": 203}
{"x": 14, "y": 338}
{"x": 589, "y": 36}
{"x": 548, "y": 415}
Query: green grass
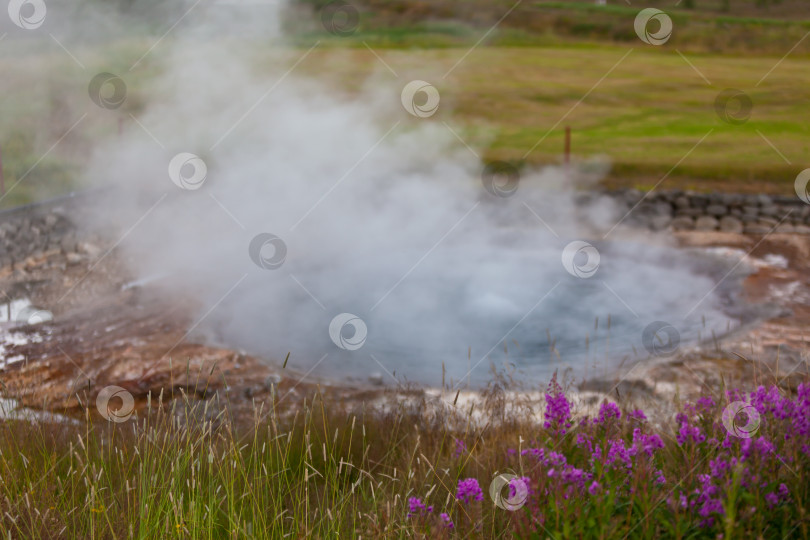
{"x": 520, "y": 85}
{"x": 196, "y": 469}
{"x": 646, "y": 116}
{"x": 742, "y": 29}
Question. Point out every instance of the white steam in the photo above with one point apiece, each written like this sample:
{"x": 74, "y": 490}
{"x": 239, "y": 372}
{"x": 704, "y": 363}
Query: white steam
{"x": 383, "y": 215}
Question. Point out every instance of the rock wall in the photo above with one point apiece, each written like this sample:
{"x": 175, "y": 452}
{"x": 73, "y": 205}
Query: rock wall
{"x": 38, "y": 228}
{"x": 729, "y": 212}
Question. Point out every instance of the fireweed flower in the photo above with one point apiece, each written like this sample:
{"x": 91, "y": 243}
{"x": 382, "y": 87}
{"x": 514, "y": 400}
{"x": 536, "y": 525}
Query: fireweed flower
{"x": 596, "y": 455}
{"x": 539, "y": 453}
{"x": 759, "y": 446}
{"x": 554, "y": 459}
{"x": 718, "y": 467}
{"x": 782, "y": 494}
{"x": 637, "y": 414}
{"x": 705, "y": 404}
{"x": 767, "y": 401}
{"x": 800, "y": 418}
{"x": 645, "y": 443}
{"x": 607, "y": 411}
{"x": 461, "y": 448}
{"x": 515, "y": 483}
{"x": 735, "y": 395}
{"x": 585, "y": 441}
{"x": 787, "y": 420}
{"x": 575, "y": 478}
{"x": 687, "y": 431}
{"x": 417, "y": 507}
{"x": 448, "y": 523}
{"x": 618, "y": 453}
{"x": 468, "y": 490}
{"x": 558, "y": 411}
{"x": 708, "y": 500}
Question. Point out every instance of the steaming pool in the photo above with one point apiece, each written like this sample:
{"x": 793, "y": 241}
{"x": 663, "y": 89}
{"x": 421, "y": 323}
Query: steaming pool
{"x": 517, "y": 311}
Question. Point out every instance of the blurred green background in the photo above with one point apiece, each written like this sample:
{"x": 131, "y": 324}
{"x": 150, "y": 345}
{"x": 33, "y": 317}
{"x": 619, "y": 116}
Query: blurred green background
{"x": 544, "y": 65}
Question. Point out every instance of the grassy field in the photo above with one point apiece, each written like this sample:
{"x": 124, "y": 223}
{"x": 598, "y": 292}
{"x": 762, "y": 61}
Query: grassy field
{"x": 182, "y": 469}
{"x": 643, "y": 108}
{"x": 743, "y": 27}
{"x": 508, "y": 91}
{"x": 647, "y": 115}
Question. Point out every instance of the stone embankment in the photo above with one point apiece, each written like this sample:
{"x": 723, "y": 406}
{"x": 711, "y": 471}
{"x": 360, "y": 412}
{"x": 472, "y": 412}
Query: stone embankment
{"x": 35, "y": 229}
{"x": 38, "y": 228}
{"x": 728, "y": 212}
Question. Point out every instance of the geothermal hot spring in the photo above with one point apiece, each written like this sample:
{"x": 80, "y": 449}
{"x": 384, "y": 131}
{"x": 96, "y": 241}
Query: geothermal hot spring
{"x": 364, "y": 239}
{"x": 406, "y": 269}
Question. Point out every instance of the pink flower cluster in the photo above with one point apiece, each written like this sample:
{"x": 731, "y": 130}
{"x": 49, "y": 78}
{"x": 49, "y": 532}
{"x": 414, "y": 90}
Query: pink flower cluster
{"x": 558, "y": 411}
{"x": 615, "y": 458}
{"x": 468, "y": 490}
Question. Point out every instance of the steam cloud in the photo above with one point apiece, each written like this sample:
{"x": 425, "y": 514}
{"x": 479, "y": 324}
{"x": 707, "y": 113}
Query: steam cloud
{"x": 383, "y": 216}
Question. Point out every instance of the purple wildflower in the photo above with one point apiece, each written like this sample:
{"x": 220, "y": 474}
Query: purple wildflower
{"x": 711, "y": 506}
{"x": 705, "y": 404}
{"x": 461, "y": 447}
{"x": 607, "y": 410}
{"x": 417, "y": 507}
{"x": 637, "y": 414}
{"x": 555, "y": 459}
{"x": 718, "y": 467}
{"x": 558, "y": 411}
{"x": 688, "y": 431}
{"x": 572, "y": 475}
{"x": 448, "y": 523}
{"x": 539, "y": 453}
{"x": 585, "y": 441}
{"x": 645, "y": 443}
{"x": 468, "y": 490}
{"x": 617, "y": 452}
{"x": 780, "y": 495}
{"x": 593, "y": 489}
{"x": 520, "y": 484}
